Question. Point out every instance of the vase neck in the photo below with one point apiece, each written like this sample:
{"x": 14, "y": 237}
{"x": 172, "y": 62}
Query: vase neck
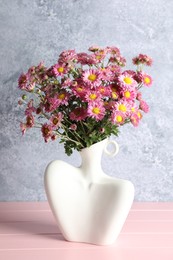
{"x": 91, "y": 160}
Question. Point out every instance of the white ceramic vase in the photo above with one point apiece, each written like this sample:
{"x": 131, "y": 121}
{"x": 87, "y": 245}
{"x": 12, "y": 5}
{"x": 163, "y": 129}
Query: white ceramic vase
{"x": 89, "y": 206}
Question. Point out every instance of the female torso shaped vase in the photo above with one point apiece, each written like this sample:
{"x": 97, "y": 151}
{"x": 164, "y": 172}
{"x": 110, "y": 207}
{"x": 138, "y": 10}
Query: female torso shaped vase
{"x": 89, "y": 206}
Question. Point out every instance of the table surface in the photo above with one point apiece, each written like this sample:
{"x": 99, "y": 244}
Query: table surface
{"x": 28, "y": 231}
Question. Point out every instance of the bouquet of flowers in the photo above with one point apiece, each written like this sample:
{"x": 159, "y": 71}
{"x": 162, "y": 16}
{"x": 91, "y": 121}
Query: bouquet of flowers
{"x": 84, "y": 97}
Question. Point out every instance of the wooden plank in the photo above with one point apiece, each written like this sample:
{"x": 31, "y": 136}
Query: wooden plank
{"x": 50, "y": 227}
{"x": 152, "y": 206}
{"x": 37, "y": 215}
{"x": 100, "y": 253}
{"x": 156, "y": 227}
{"x": 56, "y": 241}
{"x": 17, "y": 228}
{"x": 24, "y": 206}
{"x": 14, "y": 216}
{"x": 148, "y": 215}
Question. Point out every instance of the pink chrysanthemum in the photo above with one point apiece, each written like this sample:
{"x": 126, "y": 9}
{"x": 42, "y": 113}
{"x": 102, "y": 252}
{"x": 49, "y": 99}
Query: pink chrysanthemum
{"x": 105, "y": 91}
{"x": 133, "y": 109}
{"x": 56, "y": 120}
{"x": 117, "y": 118}
{"x": 91, "y": 78}
{"x": 53, "y": 103}
{"x": 126, "y": 79}
{"x": 94, "y": 48}
{"x": 73, "y": 127}
{"x": 32, "y": 69}
{"x": 92, "y": 96}
{"x": 139, "y": 96}
{"x": 138, "y": 76}
{"x": 96, "y": 110}
{"x": 115, "y": 95}
{"x": 59, "y": 70}
{"x": 142, "y": 59}
{"x": 26, "y": 82}
{"x": 144, "y": 106}
{"x": 29, "y": 124}
{"x": 66, "y": 56}
{"x": 62, "y": 98}
{"x": 147, "y": 80}
{"x": 48, "y": 89}
{"x": 23, "y": 81}
{"x": 46, "y": 131}
{"x": 30, "y": 121}
{"x": 79, "y": 91}
{"x": 66, "y": 83}
{"x": 99, "y": 55}
{"x": 130, "y": 72}
{"x": 115, "y": 69}
{"x": 106, "y": 74}
{"x": 128, "y": 93}
{"x": 37, "y": 74}
{"x": 122, "y": 106}
{"x": 30, "y": 108}
{"x": 135, "y": 118}
{"x": 109, "y": 105}
{"x": 119, "y": 60}
{"x": 86, "y": 59}
{"x": 114, "y": 92}
{"x": 113, "y": 51}
{"x": 31, "y": 86}
{"x": 78, "y": 114}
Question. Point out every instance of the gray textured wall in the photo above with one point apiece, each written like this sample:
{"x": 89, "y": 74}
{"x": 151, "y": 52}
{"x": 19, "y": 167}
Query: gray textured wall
{"x": 32, "y": 31}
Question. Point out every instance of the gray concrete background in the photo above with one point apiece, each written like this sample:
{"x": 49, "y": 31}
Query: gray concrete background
{"x": 32, "y": 31}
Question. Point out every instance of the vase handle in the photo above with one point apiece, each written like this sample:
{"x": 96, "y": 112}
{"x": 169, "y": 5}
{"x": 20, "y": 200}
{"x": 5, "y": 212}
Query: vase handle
{"x": 115, "y": 150}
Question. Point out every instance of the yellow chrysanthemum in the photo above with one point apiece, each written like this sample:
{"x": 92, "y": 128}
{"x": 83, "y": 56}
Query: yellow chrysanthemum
{"x": 147, "y": 80}
{"x": 96, "y": 110}
{"x": 60, "y": 69}
{"x": 127, "y": 94}
{"x": 128, "y": 80}
{"x": 119, "y": 119}
{"x": 92, "y": 77}
{"x": 93, "y": 96}
{"x": 122, "y": 108}
{"x": 61, "y": 96}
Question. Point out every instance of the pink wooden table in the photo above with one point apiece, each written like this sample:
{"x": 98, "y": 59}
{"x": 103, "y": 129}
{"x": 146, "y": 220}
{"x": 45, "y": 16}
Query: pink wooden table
{"x": 28, "y": 232}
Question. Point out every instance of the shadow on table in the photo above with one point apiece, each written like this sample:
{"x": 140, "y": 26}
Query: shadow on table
{"x": 35, "y": 228}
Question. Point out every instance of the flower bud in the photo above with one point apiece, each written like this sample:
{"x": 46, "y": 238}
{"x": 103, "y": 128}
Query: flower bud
{"x": 20, "y": 102}
{"x": 102, "y": 130}
{"x": 24, "y": 97}
{"x": 38, "y": 91}
{"x": 38, "y": 111}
